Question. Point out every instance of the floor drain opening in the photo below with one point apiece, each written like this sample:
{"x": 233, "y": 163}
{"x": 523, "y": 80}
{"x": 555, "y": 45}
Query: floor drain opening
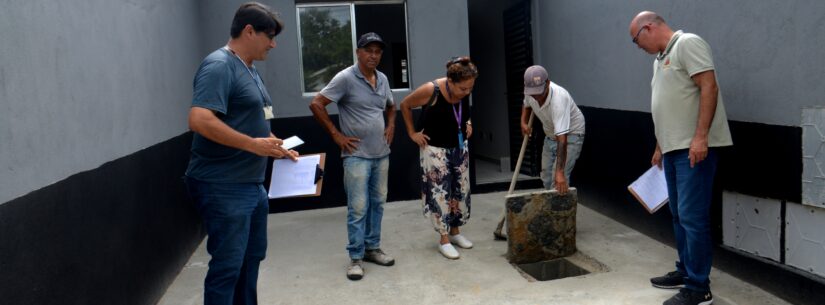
{"x": 552, "y": 270}
{"x": 577, "y": 264}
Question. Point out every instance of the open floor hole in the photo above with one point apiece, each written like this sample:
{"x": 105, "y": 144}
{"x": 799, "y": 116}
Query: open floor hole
{"x": 577, "y": 264}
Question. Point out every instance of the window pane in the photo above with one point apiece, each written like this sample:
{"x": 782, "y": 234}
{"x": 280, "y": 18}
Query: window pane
{"x": 326, "y": 43}
{"x": 389, "y": 21}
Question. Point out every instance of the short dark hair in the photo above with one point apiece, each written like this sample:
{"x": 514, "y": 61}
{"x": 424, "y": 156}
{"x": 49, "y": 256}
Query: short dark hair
{"x": 259, "y": 16}
{"x": 460, "y": 69}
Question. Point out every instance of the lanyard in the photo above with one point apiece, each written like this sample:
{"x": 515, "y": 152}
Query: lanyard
{"x": 255, "y": 79}
{"x": 457, "y": 115}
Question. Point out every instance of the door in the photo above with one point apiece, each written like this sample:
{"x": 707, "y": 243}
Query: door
{"x": 518, "y": 51}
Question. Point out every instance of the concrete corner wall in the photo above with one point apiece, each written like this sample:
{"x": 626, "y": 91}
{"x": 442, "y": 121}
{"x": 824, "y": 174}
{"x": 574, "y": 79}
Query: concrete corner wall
{"x": 94, "y": 97}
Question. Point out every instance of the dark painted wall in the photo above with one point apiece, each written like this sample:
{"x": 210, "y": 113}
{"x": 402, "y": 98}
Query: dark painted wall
{"x": 117, "y": 234}
{"x": 619, "y": 144}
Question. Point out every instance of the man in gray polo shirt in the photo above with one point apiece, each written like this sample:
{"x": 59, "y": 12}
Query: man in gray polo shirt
{"x": 690, "y": 124}
{"x": 363, "y": 96}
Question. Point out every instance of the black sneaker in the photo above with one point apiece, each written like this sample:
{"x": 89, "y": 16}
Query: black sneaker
{"x": 671, "y": 280}
{"x": 690, "y": 297}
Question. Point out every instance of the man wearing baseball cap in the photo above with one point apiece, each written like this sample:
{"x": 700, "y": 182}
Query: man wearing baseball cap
{"x": 563, "y": 127}
{"x": 363, "y": 96}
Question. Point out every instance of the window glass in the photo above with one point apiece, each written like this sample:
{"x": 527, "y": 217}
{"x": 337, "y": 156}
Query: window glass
{"x": 326, "y": 43}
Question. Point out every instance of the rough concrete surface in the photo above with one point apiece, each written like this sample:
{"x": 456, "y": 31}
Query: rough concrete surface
{"x": 306, "y": 262}
{"x": 540, "y": 226}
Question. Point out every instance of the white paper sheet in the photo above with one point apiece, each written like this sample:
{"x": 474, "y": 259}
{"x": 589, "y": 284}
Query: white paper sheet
{"x": 651, "y": 189}
{"x": 291, "y": 178}
{"x": 292, "y": 142}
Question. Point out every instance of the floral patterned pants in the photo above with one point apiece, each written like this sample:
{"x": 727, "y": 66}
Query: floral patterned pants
{"x": 445, "y": 186}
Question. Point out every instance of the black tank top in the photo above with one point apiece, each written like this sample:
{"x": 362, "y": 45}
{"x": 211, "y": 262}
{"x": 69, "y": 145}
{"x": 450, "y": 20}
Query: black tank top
{"x": 440, "y": 124}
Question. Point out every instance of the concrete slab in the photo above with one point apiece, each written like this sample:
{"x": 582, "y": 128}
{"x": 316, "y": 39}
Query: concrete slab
{"x": 307, "y": 259}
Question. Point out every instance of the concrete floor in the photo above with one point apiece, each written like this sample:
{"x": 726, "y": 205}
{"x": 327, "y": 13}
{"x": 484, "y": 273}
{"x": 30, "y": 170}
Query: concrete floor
{"x": 307, "y": 259}
{"x": 489, "y": 172}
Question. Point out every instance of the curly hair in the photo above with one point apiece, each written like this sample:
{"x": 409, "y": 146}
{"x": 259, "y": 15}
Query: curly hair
{"x": 460, "y": 69}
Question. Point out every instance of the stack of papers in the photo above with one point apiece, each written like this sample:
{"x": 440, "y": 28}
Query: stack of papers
{"x": 294, "y": 178}
{"x": 650, "y": 189}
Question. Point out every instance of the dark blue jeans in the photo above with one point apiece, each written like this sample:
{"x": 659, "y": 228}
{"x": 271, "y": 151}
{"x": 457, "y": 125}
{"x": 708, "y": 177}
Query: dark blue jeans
{"x": 234, "y": 215}
{"x": 690, "y": 193}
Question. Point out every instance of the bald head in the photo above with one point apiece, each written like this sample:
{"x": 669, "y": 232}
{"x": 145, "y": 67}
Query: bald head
{"x": 645, "y": 18}
{"x": 650, "y": 32}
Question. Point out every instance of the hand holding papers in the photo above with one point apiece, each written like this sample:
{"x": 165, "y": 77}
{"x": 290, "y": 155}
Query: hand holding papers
{"x": 296, "y": 178}
{"x": 650, "y": 189}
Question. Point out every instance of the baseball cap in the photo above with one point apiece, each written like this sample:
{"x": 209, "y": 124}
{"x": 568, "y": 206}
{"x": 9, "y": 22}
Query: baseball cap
{"x": 534, "y": 79}
{"x": 369, "y": 38}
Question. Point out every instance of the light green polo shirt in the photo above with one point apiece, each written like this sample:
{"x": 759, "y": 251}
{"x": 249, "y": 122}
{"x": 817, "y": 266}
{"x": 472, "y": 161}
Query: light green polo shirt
{"x": 675, "y": 97}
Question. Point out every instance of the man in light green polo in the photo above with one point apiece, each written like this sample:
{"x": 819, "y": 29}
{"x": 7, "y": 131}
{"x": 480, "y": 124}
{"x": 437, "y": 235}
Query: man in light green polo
{"x": 690, "y": 124}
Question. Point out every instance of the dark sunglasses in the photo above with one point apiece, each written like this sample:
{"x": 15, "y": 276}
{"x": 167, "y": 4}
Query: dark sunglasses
{"x": 636, "y": 38}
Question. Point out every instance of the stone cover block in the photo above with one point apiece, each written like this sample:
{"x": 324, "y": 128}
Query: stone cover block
{"x": 541, "y": 226}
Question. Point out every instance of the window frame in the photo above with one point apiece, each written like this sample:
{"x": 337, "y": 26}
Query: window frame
{"x": 353, "y": 40}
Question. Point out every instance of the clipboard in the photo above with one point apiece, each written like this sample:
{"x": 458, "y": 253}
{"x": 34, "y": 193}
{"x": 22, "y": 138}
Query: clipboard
{"x": 650, "y": 189}
{"x": 297, "y": 179}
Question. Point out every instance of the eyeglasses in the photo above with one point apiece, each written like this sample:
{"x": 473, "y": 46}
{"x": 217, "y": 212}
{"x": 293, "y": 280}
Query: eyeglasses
{"x": 462, "y": 60}
{"x": 636, "y": 38}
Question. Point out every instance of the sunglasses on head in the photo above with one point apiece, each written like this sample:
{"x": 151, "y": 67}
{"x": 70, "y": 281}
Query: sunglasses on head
{"x": 462, "y": 60}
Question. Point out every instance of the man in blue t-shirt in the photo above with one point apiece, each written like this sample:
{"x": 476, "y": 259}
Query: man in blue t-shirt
{"x": 363, "y": 95}
{"x": 231, "y": 143}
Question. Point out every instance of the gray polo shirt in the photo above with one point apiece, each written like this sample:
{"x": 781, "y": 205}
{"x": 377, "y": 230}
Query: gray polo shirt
{"x": 361, "y": 110}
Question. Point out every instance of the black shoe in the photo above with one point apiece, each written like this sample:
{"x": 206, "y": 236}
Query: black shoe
{"x": 671, "y": 280}
{"x": 690, "y": 297}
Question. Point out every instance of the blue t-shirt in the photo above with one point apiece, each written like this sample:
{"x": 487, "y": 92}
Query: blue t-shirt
{"x": 237, "y": 95}
{"x": 361, "y": 110}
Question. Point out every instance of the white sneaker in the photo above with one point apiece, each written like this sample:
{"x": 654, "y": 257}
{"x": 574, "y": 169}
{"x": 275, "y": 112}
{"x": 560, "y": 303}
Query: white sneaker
{"x": 448, "y": 251}
{"x": 460, "y": 240}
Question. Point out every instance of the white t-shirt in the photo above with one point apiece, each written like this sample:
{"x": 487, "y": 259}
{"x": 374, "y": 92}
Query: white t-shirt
{"x": 559, "y": 114}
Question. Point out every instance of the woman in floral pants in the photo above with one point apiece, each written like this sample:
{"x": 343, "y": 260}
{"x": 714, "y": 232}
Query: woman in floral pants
{"x": 444, "y": 127}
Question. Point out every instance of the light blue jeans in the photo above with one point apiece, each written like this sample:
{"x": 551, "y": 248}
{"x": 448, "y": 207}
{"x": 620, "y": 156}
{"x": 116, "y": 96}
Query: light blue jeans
{"x": 365, "y": 182}
{"x": 548, "y": 158}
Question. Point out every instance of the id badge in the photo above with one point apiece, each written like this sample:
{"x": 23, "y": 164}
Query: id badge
{"x": 460, "y": 141}
{"x": 268, "y": 115}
